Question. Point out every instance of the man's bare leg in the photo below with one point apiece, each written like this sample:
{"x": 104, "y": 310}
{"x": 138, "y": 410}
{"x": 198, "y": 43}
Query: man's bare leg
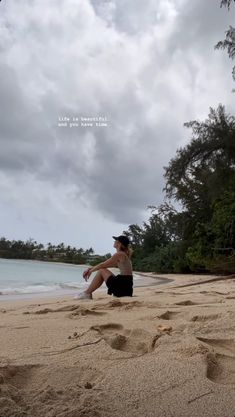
{"x": 95, "y": 283}
{"x": 101, "y": 276}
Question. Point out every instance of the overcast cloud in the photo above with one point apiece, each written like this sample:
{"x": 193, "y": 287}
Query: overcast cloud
{"x": 147, "y": 66}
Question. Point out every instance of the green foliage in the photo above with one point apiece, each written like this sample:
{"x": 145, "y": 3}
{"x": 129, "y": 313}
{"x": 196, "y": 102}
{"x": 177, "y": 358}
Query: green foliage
{"x": 32, "y": 250}
{"x": 223, "y": 221}
{"x": 154, "y": 234}
{"x": 213, "y": 245}
{"x": 98, "y": 259}
{"x": 167, "y": 259}
{"x": 201, "y": 177}
{"x": 229, "y": 42}
{"x": 201, "y": 170}
{"x": 226, "y": 3}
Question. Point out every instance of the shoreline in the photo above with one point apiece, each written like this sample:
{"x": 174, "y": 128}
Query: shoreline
{"x": 143, "y": 281}
{"x": 147, "y": 280}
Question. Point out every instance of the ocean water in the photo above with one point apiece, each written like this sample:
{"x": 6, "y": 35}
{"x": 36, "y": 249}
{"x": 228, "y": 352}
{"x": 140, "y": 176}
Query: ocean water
{"x": 18, "y": 276}
{"x": 23, "y": 277}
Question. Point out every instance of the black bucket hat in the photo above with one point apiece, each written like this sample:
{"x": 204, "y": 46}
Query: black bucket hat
{"x": 122, "y": 239}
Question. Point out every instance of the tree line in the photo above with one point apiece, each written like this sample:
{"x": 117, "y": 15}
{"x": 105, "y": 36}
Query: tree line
{"x": 200, "y": 237}
{"x": 18, "y": 249}
{"x": 201, "y": 177}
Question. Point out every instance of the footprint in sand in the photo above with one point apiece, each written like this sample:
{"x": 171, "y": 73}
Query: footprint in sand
{"x": 119, "y": 305}
{"x": 186, "y": 303}
{"x": 137, "y": 341}
{"x": 18, "y": 374}
{"x": 220, "y": 362}
{"x": 81, "y": 311}
{"x": 168, "y": 315}
{"x": 220, "y": 369}
{"x": 213, "y": 292}
{"x": 76, "y": 311}
{"x": 222, "y": 346}
{"x": 51, "y": 310}
{"x": 203, "y": 318}
{"x": 192, "y": 303}
{"x": 29, "y": 388}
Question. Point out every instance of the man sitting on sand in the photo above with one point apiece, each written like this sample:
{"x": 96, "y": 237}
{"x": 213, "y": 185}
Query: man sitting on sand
{"x": 120, "y": 285}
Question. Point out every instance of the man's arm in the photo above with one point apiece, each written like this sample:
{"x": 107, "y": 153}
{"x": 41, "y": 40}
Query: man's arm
{"x": 111, "y": 262}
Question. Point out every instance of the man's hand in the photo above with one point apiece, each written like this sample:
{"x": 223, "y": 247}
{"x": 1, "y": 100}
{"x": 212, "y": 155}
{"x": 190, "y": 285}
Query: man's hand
{"x": 86, "y": 274}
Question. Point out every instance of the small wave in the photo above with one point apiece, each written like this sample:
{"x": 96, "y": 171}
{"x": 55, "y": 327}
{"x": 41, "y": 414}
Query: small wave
{"x": 30, "y": 289}
{"x": 40, "y": 288}
{"x": 137, "y": 277}
{"x": 70, "y": 286}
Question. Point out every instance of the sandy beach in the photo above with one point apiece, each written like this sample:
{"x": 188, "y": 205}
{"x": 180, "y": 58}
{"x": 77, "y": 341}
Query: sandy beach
{"x": 167, "y": 351}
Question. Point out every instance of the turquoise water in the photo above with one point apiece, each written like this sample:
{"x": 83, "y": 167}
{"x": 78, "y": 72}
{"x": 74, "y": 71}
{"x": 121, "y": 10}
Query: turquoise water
{"x": 29, "y": 277}
{"x": 19, "y": 277}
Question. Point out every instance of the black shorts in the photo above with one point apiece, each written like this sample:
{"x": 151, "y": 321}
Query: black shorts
{"x": 120, "y": 285}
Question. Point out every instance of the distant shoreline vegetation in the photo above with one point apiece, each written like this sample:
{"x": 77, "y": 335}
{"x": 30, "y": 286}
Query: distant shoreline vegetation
{"x": 31, "y": 250}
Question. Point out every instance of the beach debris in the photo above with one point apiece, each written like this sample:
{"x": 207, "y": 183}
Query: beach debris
{"x": 75, "y": 310}
{"x": 168, "y": 315}
{"x": 81, "y": 311}
{"x": 44, "y": 311}
{"x": 200, "y": 396}
{"x": 165, "y": 329}
{"x": 88, "y": 385}
{"x": 185, "y": 303}
{"x": 205, "y": 317}
{"x": 57, "y": 352}
{"x": 74, "y": 336}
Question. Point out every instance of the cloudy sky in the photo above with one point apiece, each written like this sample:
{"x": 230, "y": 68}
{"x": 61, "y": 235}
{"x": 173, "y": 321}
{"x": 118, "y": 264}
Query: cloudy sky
{"x": 145, "y": 67}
